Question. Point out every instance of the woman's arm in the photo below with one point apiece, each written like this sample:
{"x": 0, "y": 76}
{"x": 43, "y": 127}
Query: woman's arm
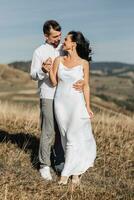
{"x": 86, "y": 89}
{"x": 53, "y": 72}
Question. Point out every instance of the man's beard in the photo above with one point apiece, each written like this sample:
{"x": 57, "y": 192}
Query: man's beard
{"x": 56, "y": 44}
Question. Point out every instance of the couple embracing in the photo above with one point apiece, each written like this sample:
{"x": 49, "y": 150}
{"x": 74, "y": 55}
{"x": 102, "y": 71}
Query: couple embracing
{"x": 62, "y": 72}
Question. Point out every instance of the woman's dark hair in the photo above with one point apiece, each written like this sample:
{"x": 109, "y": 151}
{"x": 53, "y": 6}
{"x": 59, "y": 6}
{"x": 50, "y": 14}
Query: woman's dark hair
{"x": 51, "y": 24}
{"x": 83, "y": 46}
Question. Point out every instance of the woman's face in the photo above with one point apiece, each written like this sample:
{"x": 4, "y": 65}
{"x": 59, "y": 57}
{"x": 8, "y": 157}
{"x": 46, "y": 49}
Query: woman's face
{"x": 68, "y": 44}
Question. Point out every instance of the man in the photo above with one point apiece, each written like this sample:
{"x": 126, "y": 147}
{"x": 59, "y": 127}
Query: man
{"x": 46, "y": 53}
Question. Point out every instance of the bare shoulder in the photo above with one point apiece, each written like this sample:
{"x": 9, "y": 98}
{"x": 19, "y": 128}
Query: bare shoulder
{"x": 85, "y": 64}
{"x": 56, "y": 62}
{"x": 58, "y": 59}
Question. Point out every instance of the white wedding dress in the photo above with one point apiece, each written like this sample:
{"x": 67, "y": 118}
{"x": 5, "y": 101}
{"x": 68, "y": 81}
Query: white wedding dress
{"x": 74, "y": 122}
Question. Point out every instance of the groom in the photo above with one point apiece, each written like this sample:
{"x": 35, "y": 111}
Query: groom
{"x": 46, "y": 53}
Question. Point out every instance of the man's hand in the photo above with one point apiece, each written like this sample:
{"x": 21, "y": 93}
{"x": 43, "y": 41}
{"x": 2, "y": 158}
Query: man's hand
{"x": 47, "y": 65}
{"x": 79, "y": 85}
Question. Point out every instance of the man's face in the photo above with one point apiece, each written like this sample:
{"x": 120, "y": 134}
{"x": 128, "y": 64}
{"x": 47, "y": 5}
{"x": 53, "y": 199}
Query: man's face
{"x": 54, "y": 37}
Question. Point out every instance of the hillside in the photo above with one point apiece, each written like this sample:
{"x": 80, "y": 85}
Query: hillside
{"x": 113, "y": 127}
{"x": 15, "y": 83}
{"x": 113, "y": 69}
{"x": 9, "y": 74}
{"x": 24, "y": 66}
{"x": 109, "y": 90}
{"x": 98, "y": 68}
{"x": 111, "y": 65}
{"x": 113, "y": 92}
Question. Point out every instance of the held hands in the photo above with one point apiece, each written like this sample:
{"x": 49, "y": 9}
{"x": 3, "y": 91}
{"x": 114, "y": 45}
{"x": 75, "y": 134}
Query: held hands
{"x": 79, "y": 85}
{"x": 47, "y": 65}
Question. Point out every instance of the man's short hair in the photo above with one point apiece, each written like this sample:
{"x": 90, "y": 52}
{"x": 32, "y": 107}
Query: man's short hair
{"x": 51, "y": 24}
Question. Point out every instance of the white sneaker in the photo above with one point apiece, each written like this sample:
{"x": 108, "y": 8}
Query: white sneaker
{"x": 45, "y": 173}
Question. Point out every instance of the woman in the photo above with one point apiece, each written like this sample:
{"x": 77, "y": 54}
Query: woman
{"x": 72, "y": 108}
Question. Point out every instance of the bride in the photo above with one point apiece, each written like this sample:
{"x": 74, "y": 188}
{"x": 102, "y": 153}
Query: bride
{"x": 72, "y": 108}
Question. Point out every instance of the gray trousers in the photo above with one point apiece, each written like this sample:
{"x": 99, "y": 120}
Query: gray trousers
{"x": 50, "y": 136}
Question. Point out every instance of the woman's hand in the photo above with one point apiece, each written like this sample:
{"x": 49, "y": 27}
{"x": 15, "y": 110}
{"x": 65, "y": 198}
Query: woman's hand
{"x": 90, "y": 112}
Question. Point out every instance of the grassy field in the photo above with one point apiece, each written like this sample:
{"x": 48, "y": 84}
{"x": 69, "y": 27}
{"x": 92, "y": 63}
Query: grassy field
{"x": 113, "y": 127}
{"x": 114, "y": 92}
{"x": 109, "y": 179}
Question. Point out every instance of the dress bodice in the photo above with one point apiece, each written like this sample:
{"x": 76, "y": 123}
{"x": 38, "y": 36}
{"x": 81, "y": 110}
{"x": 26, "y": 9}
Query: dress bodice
{"x": 66, "y": 78}
{"x": 70, "y": 75}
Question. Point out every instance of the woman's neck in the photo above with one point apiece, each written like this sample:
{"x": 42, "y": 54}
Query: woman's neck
{"x": 72, "y": 55}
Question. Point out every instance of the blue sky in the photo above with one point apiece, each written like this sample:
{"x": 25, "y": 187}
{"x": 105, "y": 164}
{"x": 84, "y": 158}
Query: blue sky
{"x": 108, "y": 24}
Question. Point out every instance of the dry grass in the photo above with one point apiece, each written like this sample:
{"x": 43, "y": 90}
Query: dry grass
{"x": 110, "y": 178}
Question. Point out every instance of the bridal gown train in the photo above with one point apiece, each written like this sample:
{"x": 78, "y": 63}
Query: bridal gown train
{"x": 74, "y": 122}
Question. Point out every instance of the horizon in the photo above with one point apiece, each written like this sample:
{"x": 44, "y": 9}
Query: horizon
{"x": 107, "y": 25}
{"x": 119, "y": 62}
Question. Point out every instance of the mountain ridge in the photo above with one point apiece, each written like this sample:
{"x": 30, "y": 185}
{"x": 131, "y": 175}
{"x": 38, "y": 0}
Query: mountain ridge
{"x": 106, "y": 67}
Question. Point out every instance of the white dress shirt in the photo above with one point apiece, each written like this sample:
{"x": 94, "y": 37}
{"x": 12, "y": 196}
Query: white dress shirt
{"x": 40, "y": 55}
